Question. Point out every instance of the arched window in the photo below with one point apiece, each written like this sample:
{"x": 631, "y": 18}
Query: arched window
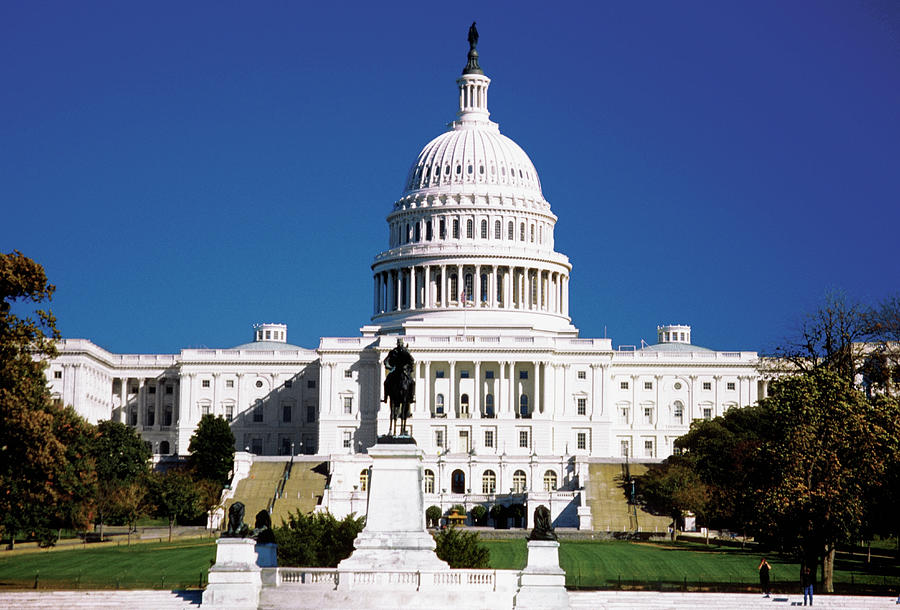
{"x": 519, "y": 482}
{"x": 417, "y": 233}
{"x": 439, "y": 404}
{"x": 469, "y": 287}
{"x": 522, "y": 231}
{"x": 523, "y": 405}
{"x": 678, "y": 412}
{"x": 164, "y": 447}
{"x": 510, "y": 228}
{"x": 456, "y": 228}
{"x": 364, "y": 479}
{"x": 408, "y": 233}
{"x": 458, "y": 482}
{"x": 484, "y": 287}
{"x": 549, "y": 481}
{"x": 483, "y": 229}
{"x": 438, "y": 286}
{"x": 489, "y": 405}
{"x": 167, "y": 416}
{"x": 532, "y": 233}
{"x": 489, "y": 482}
{"x": 464, "y": 404}
{"x": 454, "y": 288}
{"x": 429, "y": 482}
{"x": 541, "y": 233}
{"x": 470, "y": 229}
{"x": 497, "y": 229}
{"x": 428, "y": 234}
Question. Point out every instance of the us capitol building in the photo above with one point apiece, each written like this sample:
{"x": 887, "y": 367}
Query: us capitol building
{"x": 509, "y": 397}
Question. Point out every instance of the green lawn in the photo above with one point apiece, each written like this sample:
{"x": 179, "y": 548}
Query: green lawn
{"x": 175, "y": 565}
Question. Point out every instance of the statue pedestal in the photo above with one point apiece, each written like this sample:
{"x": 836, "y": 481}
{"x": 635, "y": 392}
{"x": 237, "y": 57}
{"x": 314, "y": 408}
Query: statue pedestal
{"x": 234, "y": 580}
{"x": 542, "y": 584}
{"x": 395, "y": 537}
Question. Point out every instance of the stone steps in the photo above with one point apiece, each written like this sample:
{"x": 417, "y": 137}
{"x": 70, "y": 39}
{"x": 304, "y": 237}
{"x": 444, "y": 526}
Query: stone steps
{"x": 647, "y": 600}
{"x": 118, "y": 600}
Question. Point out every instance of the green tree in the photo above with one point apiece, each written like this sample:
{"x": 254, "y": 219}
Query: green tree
{"x": 122, "y": 459}
{"x": 212, "y": 449}
{"x": 461, "y": 549}
{"x": 176, "y": 496}
{"x": 433, "y": 516}
{"x": 317, "y": 540}
{"x": 479, "y": 515}
{"x": 132, "y": 501}
{"x": 42, "y": 466}
{"x": 672, "y": 489}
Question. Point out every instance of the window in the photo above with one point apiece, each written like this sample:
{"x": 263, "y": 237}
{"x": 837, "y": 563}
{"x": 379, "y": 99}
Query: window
{"x": 364, "y": 479}
{"x": 488, "y": 438}
{"x": 258, "y": 414}
{"x": 417, "y": 232}
{"x": 531, "y": 232}
{"x": 677, "y": 385}
{"x": 624, "y": 448}
{"x": 489, "y": 405}
{"x": 707, "y": 412}
{"x": 582, "y": 405}
{"x": 464, "y": 405}
{"x": 455, "y": 228}
{"x": 648, "y": 385}
{"x": 678, "y": 413}
{"x": 132, "y": 417}
{"x": 442, "y": 228}
{"x": 454, "y": 288}
{"x": 549, "y": 481}
{"x": 259, "y": 383}
{"x": 510, "y": 235}
{"x": 582, "y": 374}
{"x": 464, "y": 446}
{"x": 522, "y": 231}
{"x": 648, "y": 415}
{"x": 469, "y": 287}
{"x": 489, "y": 374}
{"x": 229, "y": 412}
{"x": 624, "y": 414}
{"x": 519, "y": 482}
{"x": 458, "y": 482}
{"x": 489, "y": 482}
{"x": 167, "y": 415}
{"x": 730, "y": 385}
{"x": 429, "y": 482}
{"x": 523, "y": 374}
{"x": 134, "y": 389}
{"x": 428, "y": 235}
{"x": 439, "y": 439}
{"x": 310, "y": 414}
{"x": 623, "y": 385}
{"x": 151, "y": 416}
{"x": 484, "y": 233}
{"x": 581, "y": 440}
{"x": 470, "y": 229}
{"x": 498, "y": 229}
{"x": 648, "y": 448}
{"x": 484, "y": 288}
{"x": 707, "y": 385}
{"x": 439, "y": 404}
{"x": 288, "y": 384}
{"x": 57, "y": 374}
{"x": 286, "y": 413}
{"x": 311, "y": 384}
{"x": 204, "y": 383}
{"x": 439, "y": 374}
{"x": 348, "y": 405}
{"x": 523, "y": 438}
{"x": 348, "y": 374}
{"x": 256, "y": 446}
{"x": 164, "y": 447}
{"x": 151, "y": 389}
{"x": 523, "y": 405}
{"x": 464, "y": 374}
{"x": 347, "y": 439}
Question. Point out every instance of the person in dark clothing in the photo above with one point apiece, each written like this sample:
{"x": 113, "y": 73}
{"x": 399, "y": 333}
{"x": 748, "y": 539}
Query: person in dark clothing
{"x": 764, "y": 569}
{"x": 807, "y": 580}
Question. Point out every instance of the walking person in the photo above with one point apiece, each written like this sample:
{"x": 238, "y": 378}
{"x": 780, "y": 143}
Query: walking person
{"x": 764, "y": 569}
{"x": 807, "y": 580}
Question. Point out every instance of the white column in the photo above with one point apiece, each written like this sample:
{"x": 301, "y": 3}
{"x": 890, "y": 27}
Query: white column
{"x": 477, "y": 286}
{"x": 513, "y": 398}
{"x": 538, "y": 402}
{"x": 444, "y": 299}
{"x": 426, "y": 390}
{"x": 413, "y": 292}
{"x": 476, "y": 407}
{"x": 450, "y": 406}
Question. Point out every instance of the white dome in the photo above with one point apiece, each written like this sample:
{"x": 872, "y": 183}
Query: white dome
{"x": 473, "y": 154}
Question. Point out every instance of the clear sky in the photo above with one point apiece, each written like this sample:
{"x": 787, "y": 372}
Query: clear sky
{"x": 185, "y": 169}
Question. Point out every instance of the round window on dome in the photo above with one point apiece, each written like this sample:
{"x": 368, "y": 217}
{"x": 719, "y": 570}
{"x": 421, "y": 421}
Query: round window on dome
{"x": 520, "y": 173}
{"x": 469, "y": 170}
{"x": 493, "y": 170}
{"x": 458, "y": 169}
{"x": 481, "y": 169}
{"x": 447, "y": 170}
{"x": 503, "y": 171}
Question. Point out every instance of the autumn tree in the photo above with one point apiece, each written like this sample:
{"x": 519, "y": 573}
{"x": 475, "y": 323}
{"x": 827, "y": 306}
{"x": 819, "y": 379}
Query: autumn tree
{"x": 42, "y": 462}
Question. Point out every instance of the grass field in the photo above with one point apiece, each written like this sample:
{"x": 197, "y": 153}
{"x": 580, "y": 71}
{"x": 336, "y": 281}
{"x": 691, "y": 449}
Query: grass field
{"x": 589, "y": 564}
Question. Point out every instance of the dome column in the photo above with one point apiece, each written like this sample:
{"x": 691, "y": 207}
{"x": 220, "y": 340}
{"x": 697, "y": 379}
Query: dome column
{"x": 413, "y": 287}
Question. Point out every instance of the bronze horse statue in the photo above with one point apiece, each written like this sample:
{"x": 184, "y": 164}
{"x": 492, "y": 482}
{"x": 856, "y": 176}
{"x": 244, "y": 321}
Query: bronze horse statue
{"x": 399, "y": 386}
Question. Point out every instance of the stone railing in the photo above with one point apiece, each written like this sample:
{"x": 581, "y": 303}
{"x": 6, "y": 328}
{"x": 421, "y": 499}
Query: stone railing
{"x": 329, "y": 578}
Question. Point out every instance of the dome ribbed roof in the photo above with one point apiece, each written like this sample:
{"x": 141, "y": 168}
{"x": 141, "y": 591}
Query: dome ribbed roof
{"x": 473, "y": 154}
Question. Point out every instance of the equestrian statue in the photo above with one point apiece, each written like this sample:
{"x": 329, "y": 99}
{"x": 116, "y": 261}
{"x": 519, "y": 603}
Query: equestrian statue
{"x": 399, "y": 386}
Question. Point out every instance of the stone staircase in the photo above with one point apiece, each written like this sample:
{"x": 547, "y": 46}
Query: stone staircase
{"x": 118, "y": 600}
{"x": 647, "y": 600}
{"x": 258, "y": 489}
{"x": 303, "y": 491}
{"x": 610, "y": 510}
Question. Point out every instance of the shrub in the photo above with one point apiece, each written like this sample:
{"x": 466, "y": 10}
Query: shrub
{"x": 498, "y": 514}
{"x": 433, "y": 516}
{"x": 461, "y": 549}
{"x": 316, "y": 541}
{"x": 479, "y": 515}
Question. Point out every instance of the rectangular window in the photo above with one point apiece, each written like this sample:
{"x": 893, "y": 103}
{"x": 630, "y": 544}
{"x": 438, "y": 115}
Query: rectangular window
{"x": 648, "y": 448}
{"x": 348, "y": 374}
{"x": 648, "y": 415}
{"x": 648, "y": 385}
{"x": 623, "y": 385}
{"x": 348, "y": 440}
{"x": 258, "y": 414}
{"x": 57, "y": 374}
{"x": 439, "y": 439}
{"x": 488, "y": 438}
{"x": 170, "y": 389}
{"x": 289, "y": 384}
{"x": 286, "y": 413}
{"x": 707, "y": 385}
{"x": 624, "y": 448}
{"x": 134, "y": 389}
{"x": 523, "y": 374}
{"x": 489, "y": 374}
{"x": 707, "y": 413}
{"x": 455, "y": 228}
{"x": 151, "y": 416}
{"x": 582, "y": 406}
{"x": 522, "y": 231}
{"x": 730, "y": 385}
{"x": 310, "y": 414}
{"x": 151, "y": 389}
{"x": 439, "y": 374}
{"x": 311, "y": 384}
{"x": 509, "y": 233}
{"x": 256, "y": 446}
{"x": 464, "y": 374}
{"x": 229, "y": 412}
{"x": 348, "y": 405}
{"x": 204, "y": 383}
{"x": 442, "y": 228}
{"x": 523, "y": 438}
{"x": 582, "y": 374}
{"x": 582, "y": 440}
{"x": 464, "y": 446}
{"x": 623, "y": 414}
{"x": 679, "y": 414}
{"x": 428, "y": 230}
{"x": 229, "y": 383}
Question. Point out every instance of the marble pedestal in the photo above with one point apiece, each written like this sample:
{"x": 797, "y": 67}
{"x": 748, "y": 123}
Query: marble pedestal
{"x": 395, "y": 537}
{"x": 542, "y": 584}
{"x": 235, "y": 579}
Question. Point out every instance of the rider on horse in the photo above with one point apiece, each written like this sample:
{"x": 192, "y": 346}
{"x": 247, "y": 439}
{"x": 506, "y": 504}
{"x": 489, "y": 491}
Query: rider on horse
{"x": 399, "y": 384}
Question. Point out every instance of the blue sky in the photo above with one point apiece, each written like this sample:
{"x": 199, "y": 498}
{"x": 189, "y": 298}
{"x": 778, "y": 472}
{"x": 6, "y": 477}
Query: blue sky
{"x": 185, "y": 169}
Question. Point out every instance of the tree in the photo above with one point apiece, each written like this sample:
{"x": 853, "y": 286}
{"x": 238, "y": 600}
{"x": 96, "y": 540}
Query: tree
{"x": 317, "y": 540}
{"x": 131, "y": 502}
{"x": 461, "y": 549}
{"x": 42, "y": 463}
{"x": 433, "y": 516}
{"x": 672, "y": 488}
{"x": 479, "y": 515}
{"x": 122, "y": 459}
{"x": 176, "y": 495}
{"x": 826, "y": 452}
{"x": 212, "y": 449}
